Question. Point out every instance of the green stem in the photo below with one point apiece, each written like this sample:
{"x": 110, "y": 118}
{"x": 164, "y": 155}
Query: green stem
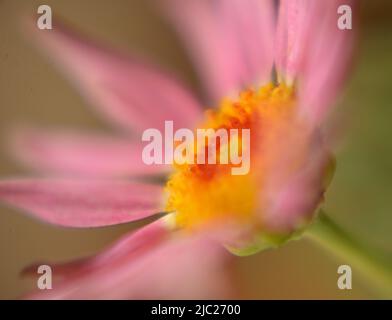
{"x": 373, "y": 265}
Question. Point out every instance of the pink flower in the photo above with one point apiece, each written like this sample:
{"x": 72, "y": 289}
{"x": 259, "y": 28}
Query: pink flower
{"x": 235, "y": 46}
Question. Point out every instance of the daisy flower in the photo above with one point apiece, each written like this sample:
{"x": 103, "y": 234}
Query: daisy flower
{"x": 274, "y": 70}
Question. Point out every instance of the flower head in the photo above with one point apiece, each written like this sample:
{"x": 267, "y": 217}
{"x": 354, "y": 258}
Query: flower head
{"x": 276, "y": 79}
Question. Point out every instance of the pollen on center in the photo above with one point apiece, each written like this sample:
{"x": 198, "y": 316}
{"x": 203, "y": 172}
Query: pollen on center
{"x": 207, "y": 193}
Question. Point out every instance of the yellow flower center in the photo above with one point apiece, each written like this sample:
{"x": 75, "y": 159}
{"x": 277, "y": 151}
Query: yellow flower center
{"x": 207, "y": 193}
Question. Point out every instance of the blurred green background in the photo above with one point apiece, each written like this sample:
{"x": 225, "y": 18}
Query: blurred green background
{"x": 31, "y": 91}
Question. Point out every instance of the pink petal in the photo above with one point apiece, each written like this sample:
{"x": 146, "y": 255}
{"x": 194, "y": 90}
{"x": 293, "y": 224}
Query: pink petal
{"x": 130, "y": 245}
{"x": 294, "y": 22}
{"x": 133, "y": 94}
{"x": 251, "y": 26}
{"x": 79, "y": 203}
{"x": 295, "y": 169}
{"x": 230, "y": 42}
{"x": 296, "y": 201}
{"x": 141, "y": 268}
{"x": 328, "y": 67}
{"x": 311, "y": 47}
{"x": 82, "y": 154}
